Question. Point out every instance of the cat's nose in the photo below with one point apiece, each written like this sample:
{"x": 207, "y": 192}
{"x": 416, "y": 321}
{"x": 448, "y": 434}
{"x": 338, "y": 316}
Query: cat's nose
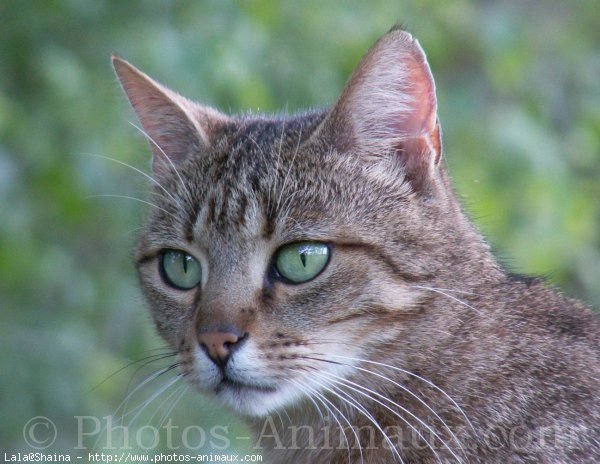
{"x": 219, "y": 345}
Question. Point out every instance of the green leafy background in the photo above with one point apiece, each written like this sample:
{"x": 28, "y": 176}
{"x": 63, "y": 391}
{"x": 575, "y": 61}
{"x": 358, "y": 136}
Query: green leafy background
{"x": 519, "y": 100}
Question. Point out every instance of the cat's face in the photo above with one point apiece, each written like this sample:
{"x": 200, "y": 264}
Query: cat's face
{"x": 255, "y": 215}
{"x": 281, "y": 251}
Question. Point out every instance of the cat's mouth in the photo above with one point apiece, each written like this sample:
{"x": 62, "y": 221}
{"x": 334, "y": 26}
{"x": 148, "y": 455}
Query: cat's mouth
{"x": 228, "y": 384}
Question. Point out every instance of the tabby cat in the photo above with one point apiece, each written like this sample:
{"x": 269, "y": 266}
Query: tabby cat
{"x": 317, "y": 274}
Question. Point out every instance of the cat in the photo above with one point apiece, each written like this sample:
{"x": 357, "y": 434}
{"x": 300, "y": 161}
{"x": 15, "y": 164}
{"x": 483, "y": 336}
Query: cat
{"x": 318, "y": 269}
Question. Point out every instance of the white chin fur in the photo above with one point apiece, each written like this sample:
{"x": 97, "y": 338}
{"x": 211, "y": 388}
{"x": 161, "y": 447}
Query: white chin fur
{"x": 253, "y": 403}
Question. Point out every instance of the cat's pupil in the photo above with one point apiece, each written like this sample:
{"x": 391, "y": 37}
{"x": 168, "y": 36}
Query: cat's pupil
{"x": 303, "y": 258}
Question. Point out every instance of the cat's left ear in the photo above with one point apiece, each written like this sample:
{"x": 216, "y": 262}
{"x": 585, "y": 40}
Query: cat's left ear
{"x": 176, "y": 127}
{"x": 388, "y": 111}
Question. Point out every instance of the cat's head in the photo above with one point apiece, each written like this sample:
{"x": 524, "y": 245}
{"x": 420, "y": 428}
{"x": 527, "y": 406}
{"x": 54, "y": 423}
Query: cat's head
{"x": 282, "y": 250}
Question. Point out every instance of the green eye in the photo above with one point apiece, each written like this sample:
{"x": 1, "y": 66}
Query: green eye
{"x": 301, "y": 262}
{"x": 180, "y": 270}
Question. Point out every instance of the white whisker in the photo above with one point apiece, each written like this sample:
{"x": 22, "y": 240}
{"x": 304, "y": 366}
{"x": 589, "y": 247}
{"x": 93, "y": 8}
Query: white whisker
{"x": 414, "y": 395}
{"x": 310, "y": 393}
{"x": 441, "y": 292}
{"x": 147, "y": 176}
{"x": 344, "y": 396}
{"x": 174, "y": 398}
{"x": 139, "y": 409}
{"x": 280, "y": 420}
{"x": 263, "y": 153}
{"x": 362, "y": 389}
{"x": 123, "y": 404}
{"x": 289, "y": 170}
{"x": 134, "y": 199}
{"x": 463, "y": 292}
{"x": 171, "y": 164}
{"x": 310, "y": 397}
{"x": 428, "y": 382}
{"x": 285, "y": 211}
{"x": 278, "y": 161}
{"x": 184, "y": 389}
{"x": 325, "y": 401}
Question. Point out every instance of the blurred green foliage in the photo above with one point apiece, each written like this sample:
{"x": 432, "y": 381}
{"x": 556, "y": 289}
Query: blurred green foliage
{"x": 519, "y": 101}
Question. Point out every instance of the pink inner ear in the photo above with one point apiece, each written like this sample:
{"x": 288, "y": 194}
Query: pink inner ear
{"x": 423, "y": 114}
{"x": 422, "y": 118}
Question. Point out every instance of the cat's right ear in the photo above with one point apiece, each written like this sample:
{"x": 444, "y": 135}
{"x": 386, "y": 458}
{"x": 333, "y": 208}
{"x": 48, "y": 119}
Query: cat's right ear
{"x": 175, "y": 127}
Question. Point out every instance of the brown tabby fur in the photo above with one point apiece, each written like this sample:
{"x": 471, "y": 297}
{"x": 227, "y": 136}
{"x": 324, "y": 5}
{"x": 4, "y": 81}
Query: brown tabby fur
{"x": 412, "y": 328}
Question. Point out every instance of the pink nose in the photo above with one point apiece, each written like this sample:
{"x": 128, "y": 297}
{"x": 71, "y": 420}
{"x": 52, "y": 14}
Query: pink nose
{"x": 219, "y": 345}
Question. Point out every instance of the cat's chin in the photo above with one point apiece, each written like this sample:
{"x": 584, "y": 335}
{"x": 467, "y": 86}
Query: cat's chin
{"x": 253, "y": 401}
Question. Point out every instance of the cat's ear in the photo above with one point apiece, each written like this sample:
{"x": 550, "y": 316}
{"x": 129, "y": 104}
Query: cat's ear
{"x": 176, "y": 127}
{"x": 388, "y": 109}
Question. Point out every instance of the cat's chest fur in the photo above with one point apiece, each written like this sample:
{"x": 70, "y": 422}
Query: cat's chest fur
{"x": 317, "y": 275}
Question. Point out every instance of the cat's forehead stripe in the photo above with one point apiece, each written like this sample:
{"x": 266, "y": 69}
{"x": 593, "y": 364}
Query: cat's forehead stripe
{"x": 228, "y": 212}
{"x": 242, "y": 177}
